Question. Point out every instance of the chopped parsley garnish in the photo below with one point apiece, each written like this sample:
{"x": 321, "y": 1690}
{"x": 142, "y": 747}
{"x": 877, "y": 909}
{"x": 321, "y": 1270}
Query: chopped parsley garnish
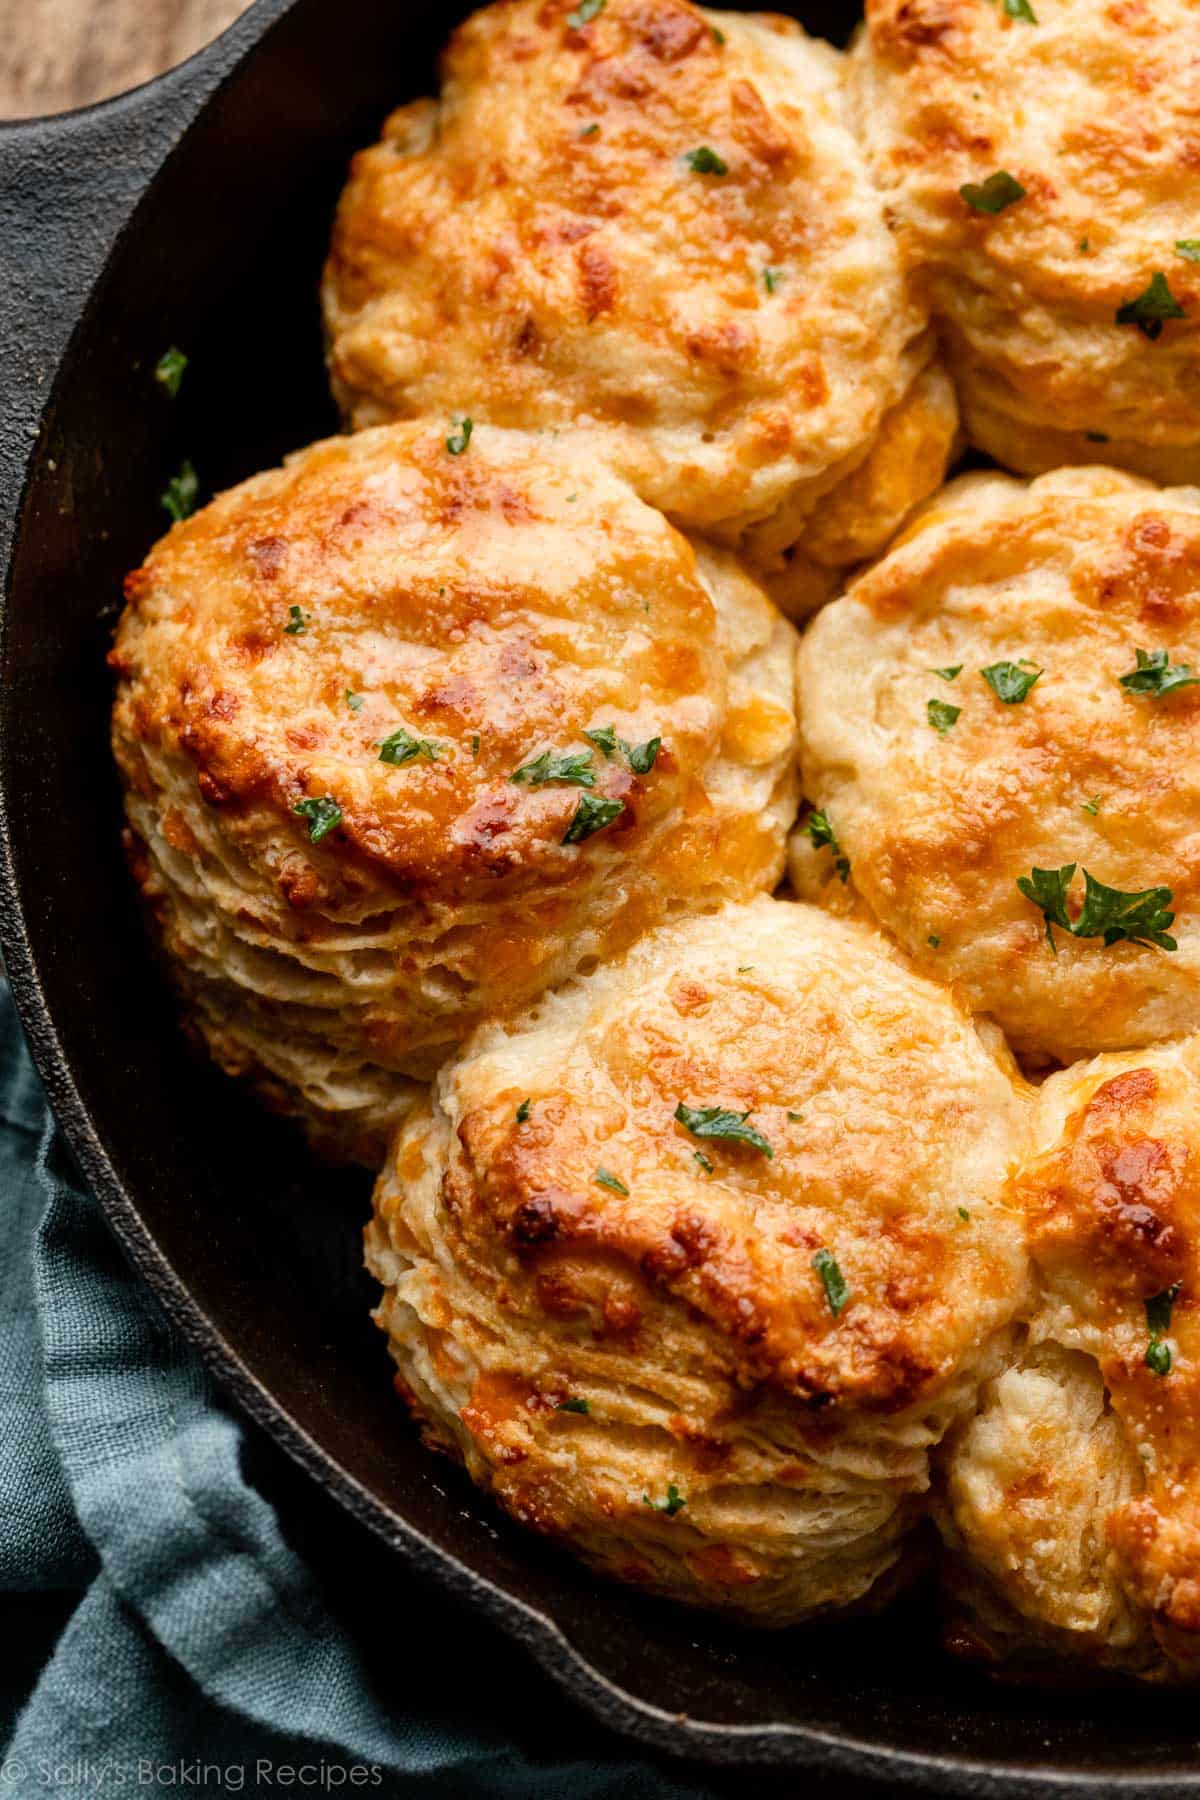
{"x": 1159, "y": 1308}
{"x": 718, "y": 36}
{"x": 770, "y": 279}
{"x": 823, "y": 836}
{"x": 585, "y": 12}
{"x": 963, "y": 1214}
{"x": 941, "y": 715}
{"x": 933, "y": 940}
{"x": 1151, "y": 308}
{"x": 1188, "y": 248}
{"x": 705, "y": 161}
{"x": 591, "y": 815}
{"x": 522, "y": 1112}
{"x": 460, "y": 437}
{"x": 744, "y": 968}
{"x": 297, "y": 623}
{"x": 574, "y": 766}
{"x": 602, "y": 1178}
{"x": 402, "y": 747}
{"x": 951, "y": 672}
{"x": 1011, "y": 681}
{"x": 1020, "y": 9}
{"x": 605, "y": 739}
{"x": 795, "y": 1117}
{"x": 1154, "y": 674}
{"x": 575, "y": 1406}
{"x": 699, "y": 1156}
{"x": 354, "y": 701}
{"x": 642, "y": 757}
{"x": 718, "y": 1122}
{"x": 590, "y": 130}
{"x": 673, "y": 1503}
{"x": 832, "y": 1280}
{"x": 1139, "y": 918}
{"x": 1091, "y": 806}
{"x": 181, "y": 492}
{"x": 475, "y": 744}
{"x": 169, "y": 371}
{"x": 994, "y": 194}
{"x": 322, "y": 816}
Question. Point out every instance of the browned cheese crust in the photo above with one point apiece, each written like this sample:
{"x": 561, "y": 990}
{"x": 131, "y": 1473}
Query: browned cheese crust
{"x": 1092, "y": 107}
{"x": 598, "y": 1309}
{"x": 536, "y": 248}
{"x": 494, "y": 605}
{"x": 1073, "y": 575}
{"x": 1073, "y": 1500}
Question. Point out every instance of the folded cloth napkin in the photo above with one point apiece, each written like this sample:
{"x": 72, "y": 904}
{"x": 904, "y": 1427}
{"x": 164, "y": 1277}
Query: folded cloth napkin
{"x": 183, "y": 1640}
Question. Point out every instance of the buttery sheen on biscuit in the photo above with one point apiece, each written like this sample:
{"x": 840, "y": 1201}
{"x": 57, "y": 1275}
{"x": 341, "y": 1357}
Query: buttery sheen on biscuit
{"x": 651, "y": 224}
{"x": 694, "y": 1263}
{"x": 1010, "y": 696}
{"x": 419, "y": 724}
{"x": 1072, "y": 1500}
{"x": 1041, "y": 166}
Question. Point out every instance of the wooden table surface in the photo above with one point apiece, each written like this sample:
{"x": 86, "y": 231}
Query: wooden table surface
{"x": 56, "y": 54}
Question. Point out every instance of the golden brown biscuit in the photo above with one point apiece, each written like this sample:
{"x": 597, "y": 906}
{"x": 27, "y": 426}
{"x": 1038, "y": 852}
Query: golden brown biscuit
{"x": 693, "y": 1264}
{"x": 1073, "y": 1499}
{"x": 353, "y": 721}
{"x": 1064, "y": 276}
{"x": 654, "y": 227}
{"x": 943, "y": 795}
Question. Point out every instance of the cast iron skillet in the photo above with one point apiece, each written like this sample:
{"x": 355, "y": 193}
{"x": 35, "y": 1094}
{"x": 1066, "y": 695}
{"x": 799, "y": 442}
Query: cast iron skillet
{"x": 194, "y": 212}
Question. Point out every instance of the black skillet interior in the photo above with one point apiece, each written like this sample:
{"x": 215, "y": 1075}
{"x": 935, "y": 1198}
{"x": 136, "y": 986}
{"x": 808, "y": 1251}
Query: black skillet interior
{"x": 254, "y": 1250}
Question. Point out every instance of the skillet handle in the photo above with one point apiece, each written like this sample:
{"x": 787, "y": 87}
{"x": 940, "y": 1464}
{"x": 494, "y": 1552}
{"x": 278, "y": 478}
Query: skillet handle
{"x": 68, "y": 186}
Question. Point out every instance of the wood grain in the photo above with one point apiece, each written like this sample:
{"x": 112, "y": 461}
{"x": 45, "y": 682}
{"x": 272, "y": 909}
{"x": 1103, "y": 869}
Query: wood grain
{"x": 56, "y": 54}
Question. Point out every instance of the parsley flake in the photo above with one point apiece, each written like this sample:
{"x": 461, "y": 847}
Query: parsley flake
{"x": 1154, "y": 305}
{"x": 1011, "y": 681}
{"x": 705, "y": 161}
{"x": 699, "y": 1156}
{"x": 590, "y": 130}
{"x": 1159, "y": 1308}
{"x": 1188, "y": 248}
{"x": 718, "y": 36}
{"x": 591, "y": 815}
{"x": 603, "y": 1179}
{"x": 795, "y": 1117}
{"x": 181, "y": 492}
{"x": 771, "y": 278}
{"x": 605, "y": 739}
{"x": 584, "y": 13}
{"x": 169, "y": 371}
{"x": 823, "y": 836}
{"x": 719, "y": 1122}
{"x": 573, "y": 1406}
{"x": 475, "y": 743}
{"x": 994, "y": 194}
{"x": 297, "y": 623}
{"x": 941, "y": 715}
{"x": 523, "y": 1112}
{"x": 951, "y": 672}
{"x": 402, "y": 747}
{"x": 642, "y": 757}
{"x": 1091, "y": 806}
{"x": 573, "y": 766}
{"x": 963, "y": 1214}
{"x": 832, "y": 1280}
{"x": 673, "y": 1503}
{"x": 354, "y": 701}
{"x": 460, "y": 437}
{"x": 322, "y": 816}
{"x": 1110, "y": 913}
{"x": 934, "y": 941}
{"x": 1020, "y": 9}
{"x": 1154, "y": 674}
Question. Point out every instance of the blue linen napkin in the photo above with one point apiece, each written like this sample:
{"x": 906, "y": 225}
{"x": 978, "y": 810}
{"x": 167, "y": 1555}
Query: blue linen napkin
{"x": 187, "y": 1642}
